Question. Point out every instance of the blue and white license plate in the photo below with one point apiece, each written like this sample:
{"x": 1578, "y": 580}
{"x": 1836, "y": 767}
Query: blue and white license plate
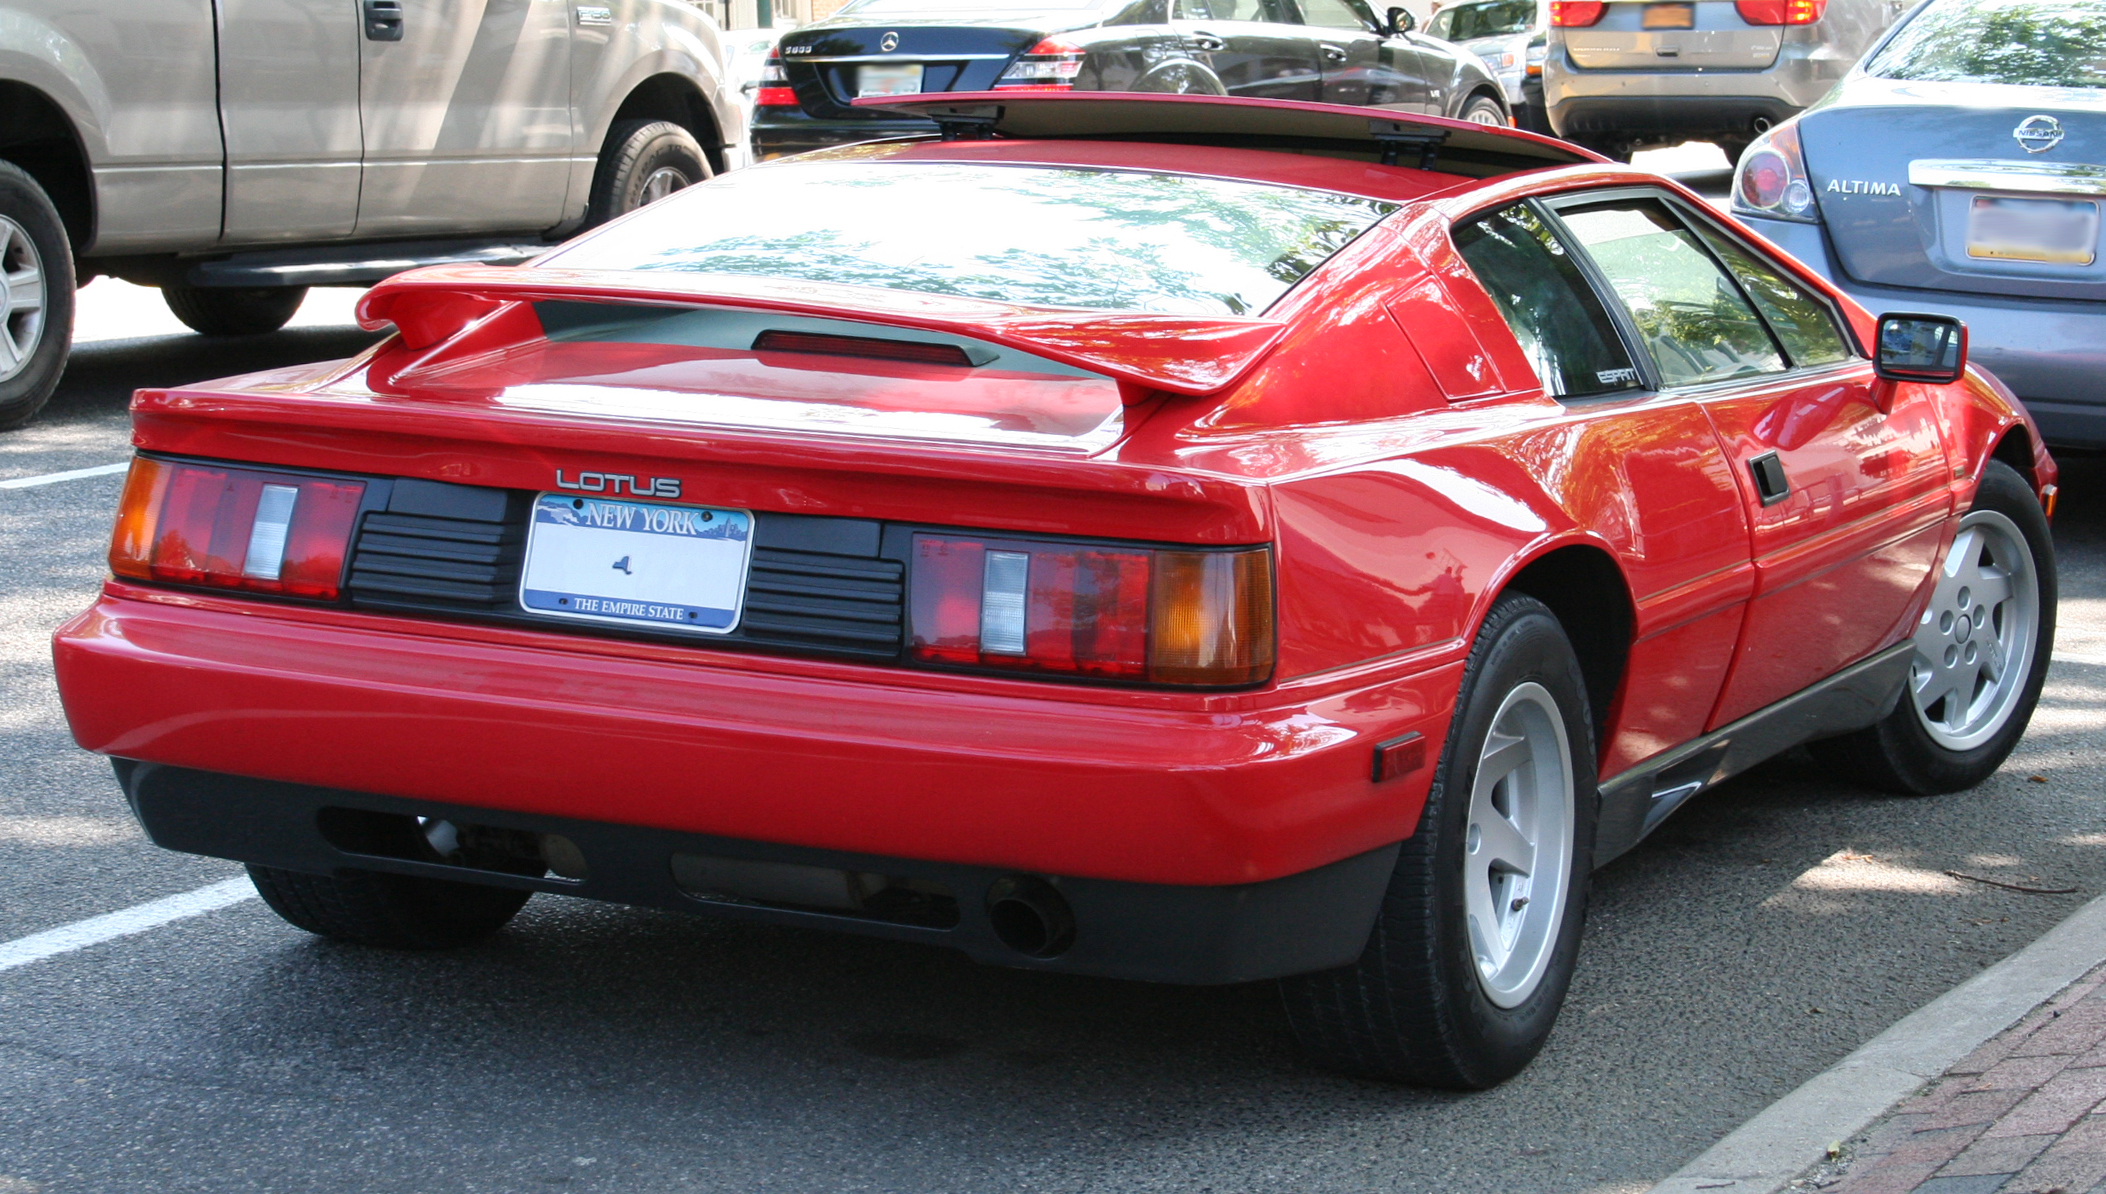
{"x": 637, "y": 564}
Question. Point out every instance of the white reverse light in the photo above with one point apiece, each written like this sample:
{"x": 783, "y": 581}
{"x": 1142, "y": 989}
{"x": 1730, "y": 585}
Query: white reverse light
{"x": 1002, "y": 602}
{"x": 267, "y": 538}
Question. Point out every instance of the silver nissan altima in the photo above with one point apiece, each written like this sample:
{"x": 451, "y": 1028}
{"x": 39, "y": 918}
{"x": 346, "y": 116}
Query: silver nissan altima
{"x": 1960, "y": 169}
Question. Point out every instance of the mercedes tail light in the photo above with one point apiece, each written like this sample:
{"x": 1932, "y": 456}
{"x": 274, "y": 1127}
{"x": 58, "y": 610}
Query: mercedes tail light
{"x": 1108, "y": 612}
{"x": 775, "y": 90}
{"x": 1576, "y": 14}
{"x": 1051, "y": 65}
{"x": 234, "y": 528}
{"x": 1771, "y": 179}
{"x": 1781, "y": 12}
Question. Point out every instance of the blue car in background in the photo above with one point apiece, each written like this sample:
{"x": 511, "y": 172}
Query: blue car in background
{"x": 1960, "y": 169}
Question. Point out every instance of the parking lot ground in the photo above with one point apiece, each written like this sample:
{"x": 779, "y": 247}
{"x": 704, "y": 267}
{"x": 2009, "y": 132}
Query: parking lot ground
{"x": 1762, "y": 934}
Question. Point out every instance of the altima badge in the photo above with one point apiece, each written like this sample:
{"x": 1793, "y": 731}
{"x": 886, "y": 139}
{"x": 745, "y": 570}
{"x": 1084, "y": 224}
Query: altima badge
{"x": 2038, "y": 134}
{"x": 890, "y": 42}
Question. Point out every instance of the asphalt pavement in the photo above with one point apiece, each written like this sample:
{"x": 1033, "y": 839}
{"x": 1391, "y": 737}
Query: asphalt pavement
{"x": 1765, "y": 932}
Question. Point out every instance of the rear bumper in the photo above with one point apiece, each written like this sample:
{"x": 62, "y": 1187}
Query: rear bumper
{"x": 1649, "y": 104}
{"x": 2051, "y": 353}
{"x": 1643, "y": 117}
{"x": 1217, "y": 934}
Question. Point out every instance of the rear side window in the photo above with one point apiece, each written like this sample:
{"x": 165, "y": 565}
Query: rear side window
{"x": 1556, "y": 316}
{"x": 1693, "y": 319}
{"x": 1338, "y": 14}
{"x": 1232, "y": 10}
{"x": 2031, "y": 43}
{"x": 1108, "y": 240}
{"x": 1804, "y": 325}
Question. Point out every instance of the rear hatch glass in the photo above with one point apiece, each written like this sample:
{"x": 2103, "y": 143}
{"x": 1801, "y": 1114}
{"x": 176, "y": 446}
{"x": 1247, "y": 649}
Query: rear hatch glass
{"x": 1039, "y": 236}
{"x": 1644, "y": 35}
{"x": 1488, "y": 18}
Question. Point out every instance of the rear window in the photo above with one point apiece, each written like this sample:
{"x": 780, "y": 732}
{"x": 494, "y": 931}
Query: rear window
{"x": 1041, "y": 236}
{"x": 2035, "y": 43}
{"x": 1463, "y": 22}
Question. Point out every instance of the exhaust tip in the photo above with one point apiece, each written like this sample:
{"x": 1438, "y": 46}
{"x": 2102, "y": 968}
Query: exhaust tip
{"x": 1761, "y": 124}
{"x": 1030, "y": 916}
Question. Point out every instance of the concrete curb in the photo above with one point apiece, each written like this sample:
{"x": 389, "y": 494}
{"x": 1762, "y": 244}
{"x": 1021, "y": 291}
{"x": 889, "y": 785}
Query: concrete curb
{"x": 1767, "y": 1152}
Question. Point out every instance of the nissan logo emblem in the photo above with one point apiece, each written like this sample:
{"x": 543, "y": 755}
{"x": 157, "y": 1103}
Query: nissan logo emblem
{"x": 890, "y": 42}
{"x": 2038, "y": 134}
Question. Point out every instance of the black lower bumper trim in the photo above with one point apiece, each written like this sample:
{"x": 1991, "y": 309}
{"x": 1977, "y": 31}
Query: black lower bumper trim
{"x": 1310, "y": 921}
{"x": 1640, "y": 118}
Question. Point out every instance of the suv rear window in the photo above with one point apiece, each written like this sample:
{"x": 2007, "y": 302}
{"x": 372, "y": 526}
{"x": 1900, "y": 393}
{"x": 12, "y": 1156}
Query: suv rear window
{"x": 2034, "y": 43}
{"x": 1042, "y": 236}
{"x": 1462, "y": 22}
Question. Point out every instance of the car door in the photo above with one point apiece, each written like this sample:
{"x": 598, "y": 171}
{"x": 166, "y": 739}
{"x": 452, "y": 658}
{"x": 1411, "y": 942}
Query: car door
{"x": 288, "y": 107}
{"x": 1844, "y": 482}
{"x": 1257, "y": 48}
{"x": 466, "y": 109}
{"x": 1361, "y": 66}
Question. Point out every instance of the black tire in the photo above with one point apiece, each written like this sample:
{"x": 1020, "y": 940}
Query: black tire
{"x": 1484, "y": 106}
{"x": 1413, "y": 1008}
{"x": 32, "y": 238}
{"x": 389, "y": 911}
{"x": 640, "y": 156}
{"x": 1899, "y": 754}
{"x": 1732, "y": 148}
{"x": 1615, "y": 151}
{"x": 234, "y": 310}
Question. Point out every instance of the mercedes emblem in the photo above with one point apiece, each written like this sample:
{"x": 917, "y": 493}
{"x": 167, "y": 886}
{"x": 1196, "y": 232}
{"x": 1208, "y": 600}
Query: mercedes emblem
{"x": 890, "y": 42}
{"x": 2038, "y": 134}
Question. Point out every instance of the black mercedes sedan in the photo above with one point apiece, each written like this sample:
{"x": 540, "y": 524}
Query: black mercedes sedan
{"x": 1334, "y": 51}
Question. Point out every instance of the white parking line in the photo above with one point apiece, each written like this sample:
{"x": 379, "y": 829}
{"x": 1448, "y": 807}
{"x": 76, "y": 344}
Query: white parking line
{"x": 137, "y": 919}
{"x": 100, "y": 470}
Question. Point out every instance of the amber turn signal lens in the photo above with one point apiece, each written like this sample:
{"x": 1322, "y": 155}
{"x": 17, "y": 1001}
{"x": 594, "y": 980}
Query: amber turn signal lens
{"x": 1211, "y": 617}
{"x": 132, "y": 545}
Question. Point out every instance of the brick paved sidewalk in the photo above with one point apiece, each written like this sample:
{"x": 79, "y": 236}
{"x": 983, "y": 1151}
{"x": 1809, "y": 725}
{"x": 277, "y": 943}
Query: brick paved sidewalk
{"x": 2023, "y": 1114}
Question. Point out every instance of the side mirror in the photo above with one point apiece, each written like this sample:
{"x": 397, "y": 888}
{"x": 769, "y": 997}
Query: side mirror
{"x": 1401, "y": 22}
{"x": 1931, "y": 349}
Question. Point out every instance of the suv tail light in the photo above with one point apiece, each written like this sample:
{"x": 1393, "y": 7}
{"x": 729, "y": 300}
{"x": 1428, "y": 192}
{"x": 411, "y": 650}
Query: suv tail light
{"x": 232, "y": 528}
{"x": 1124, "y": 613}
{"x": 1781, "y": 12}
{"x": 1051, "y": 65}
{"x": 1576, "y": 14}
{"x": 1771, "y": 179}
{"x": 775, "y": 90}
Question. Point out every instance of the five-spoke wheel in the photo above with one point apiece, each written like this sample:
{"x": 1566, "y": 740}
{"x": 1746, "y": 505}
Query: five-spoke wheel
{"x": 1518, "y": 848}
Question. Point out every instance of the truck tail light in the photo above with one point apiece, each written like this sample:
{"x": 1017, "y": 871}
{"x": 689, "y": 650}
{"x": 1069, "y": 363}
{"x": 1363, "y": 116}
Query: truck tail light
{"x": 1123, "y": 613}
{"x": 1051, "y": 65}
{"x": 774, "y": 90}
{"x": 1576, "y": 14}
{"x": 232, "y": 528}
{"x": 1781, "y": 12}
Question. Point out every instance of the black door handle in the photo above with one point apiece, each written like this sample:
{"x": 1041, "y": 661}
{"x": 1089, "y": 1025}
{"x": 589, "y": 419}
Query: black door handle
{"x": 1770, "y": 483}
{"x": 383, "y": 20}
{"x": 1335, "y": 53}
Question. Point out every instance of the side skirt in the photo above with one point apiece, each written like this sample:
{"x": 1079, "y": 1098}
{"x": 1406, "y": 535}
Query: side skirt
{"x": 1634, "y": 802}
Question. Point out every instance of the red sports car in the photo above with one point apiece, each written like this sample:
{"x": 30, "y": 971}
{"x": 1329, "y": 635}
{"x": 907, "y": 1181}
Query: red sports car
{"x": 1187, "y": 539}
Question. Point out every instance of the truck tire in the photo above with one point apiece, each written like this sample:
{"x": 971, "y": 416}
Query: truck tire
{"x": 234, "y": 310}
{"x": 36, "y": 298}
{"x": 643, "y": 162}
{"x": 388, "y": 911}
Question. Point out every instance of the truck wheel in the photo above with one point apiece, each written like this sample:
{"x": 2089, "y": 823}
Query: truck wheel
{"x": 36, "y": 297}
{"x": 1982, "y": 652}
{"x": 1479, "y": 931}
{"x": 644, "y": 161}
{"x": 390, "y": 911}
{"x": 234, "y": 310}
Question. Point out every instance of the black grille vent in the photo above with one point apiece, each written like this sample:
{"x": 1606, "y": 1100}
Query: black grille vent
{"x": 805, "y": 598}
{"x": 456, "y": 562}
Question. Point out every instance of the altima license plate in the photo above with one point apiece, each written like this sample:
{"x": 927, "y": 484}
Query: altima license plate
{"x": 2061, "y": 231}
{"x": 1669, "y": 16}
{"x": 888, "y": 80}
{"x": 637, "y": 564}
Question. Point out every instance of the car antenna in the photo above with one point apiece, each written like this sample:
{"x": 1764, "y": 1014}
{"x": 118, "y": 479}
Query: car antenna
{"x": 1395, "y": 136}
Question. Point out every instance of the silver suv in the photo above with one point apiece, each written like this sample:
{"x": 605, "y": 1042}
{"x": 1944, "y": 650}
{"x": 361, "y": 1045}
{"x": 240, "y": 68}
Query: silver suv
{"x": 235, "y": 153}
{"x": 1621, "y": 75}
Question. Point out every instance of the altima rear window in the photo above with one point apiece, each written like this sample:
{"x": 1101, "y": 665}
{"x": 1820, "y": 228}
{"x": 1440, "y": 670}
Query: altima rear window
{"x": 2035, "y": 43}
{"x": 1042, "y": 236}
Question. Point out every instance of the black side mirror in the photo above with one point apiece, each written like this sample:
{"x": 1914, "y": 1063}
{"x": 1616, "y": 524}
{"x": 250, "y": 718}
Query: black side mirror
{"x": 1922, "y": 348}
{"x": 1401, "y": 22}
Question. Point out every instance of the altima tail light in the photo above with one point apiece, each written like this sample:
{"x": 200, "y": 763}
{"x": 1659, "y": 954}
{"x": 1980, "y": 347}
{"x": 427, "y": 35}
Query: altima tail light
{"x": 1051, "y": 65}
{"x": 1771, "y": 179}
{"x": 1576, "y": 14}
{"x": 1113, "y": 612}
{"x": 234, "y": 528}
{"x": 1781, "y": 12}
{"x": 775, "y": 90}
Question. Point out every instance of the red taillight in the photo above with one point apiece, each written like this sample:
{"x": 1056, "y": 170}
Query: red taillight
{"x": 1781, "y": 12}
{"x": 775, "y": 97}
{"x": 1051, "y": 65}
{"x": 1173, "y": 617}
{"x": 1576, "y": 14}
{"x": 774, "y": 90}
{"x": 234, "y": 528}
{"x": 1771, "y": 179}
{"x": 1763, "y": 177}
{"x": 918, "y": 351}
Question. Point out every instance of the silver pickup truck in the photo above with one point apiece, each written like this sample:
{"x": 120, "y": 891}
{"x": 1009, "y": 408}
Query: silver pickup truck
{"x": 235, "y": 152}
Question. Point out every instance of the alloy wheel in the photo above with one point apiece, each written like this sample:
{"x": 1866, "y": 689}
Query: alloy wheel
{"x": 662, "y": 182}
{"x": 1975, "y": 642}
{"x": 21, "y": 298}
{"x": 1517, "y": 855}
{"x": 1486, "y": 116}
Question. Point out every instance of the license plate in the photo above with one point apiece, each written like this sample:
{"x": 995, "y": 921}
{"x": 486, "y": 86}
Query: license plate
{"x": 2059, "y": 231}
{"x": 888, "y": 80}
{"x": 637, "y": 564}
{"x": 1669, "y": 16}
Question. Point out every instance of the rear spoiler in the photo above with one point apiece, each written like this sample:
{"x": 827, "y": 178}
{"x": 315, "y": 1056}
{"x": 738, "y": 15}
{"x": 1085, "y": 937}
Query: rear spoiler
{"x": 433, "y": 307}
